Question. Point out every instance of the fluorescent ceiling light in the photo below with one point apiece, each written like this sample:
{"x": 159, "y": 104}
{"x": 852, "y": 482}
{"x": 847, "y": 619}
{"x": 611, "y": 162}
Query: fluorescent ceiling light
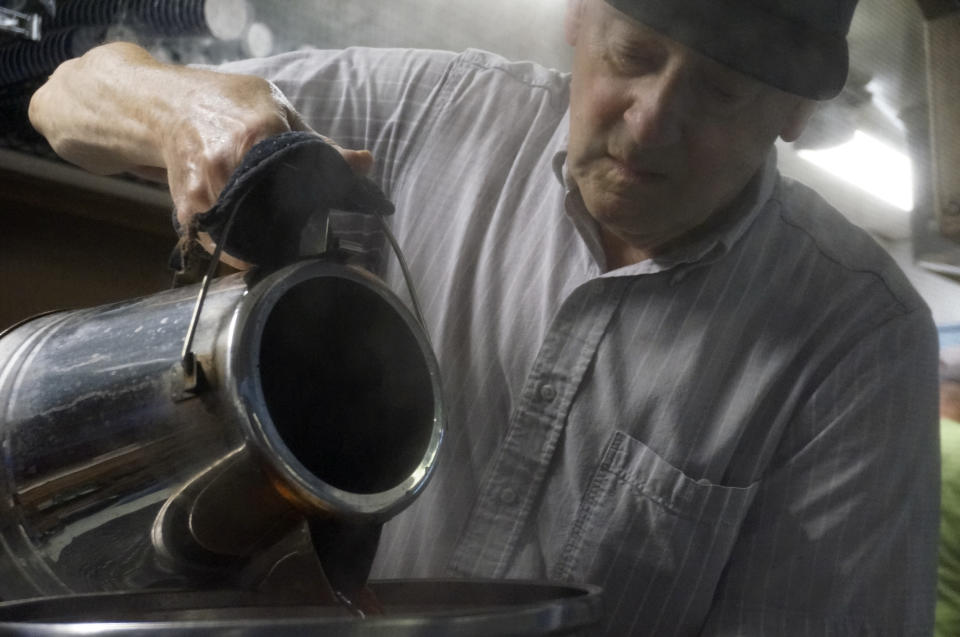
{"x": 871, "y": 165}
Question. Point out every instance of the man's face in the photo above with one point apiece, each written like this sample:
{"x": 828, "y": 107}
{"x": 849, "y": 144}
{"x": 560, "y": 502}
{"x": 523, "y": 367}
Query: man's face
{"x": 660, "y": 136}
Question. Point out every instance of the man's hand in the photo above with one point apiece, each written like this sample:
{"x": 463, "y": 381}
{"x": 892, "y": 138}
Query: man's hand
{"x": 117, "y": 109}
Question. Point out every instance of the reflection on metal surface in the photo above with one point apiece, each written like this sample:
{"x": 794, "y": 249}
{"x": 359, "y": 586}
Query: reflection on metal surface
{"x": 421, "y": 608}
{"x": 322, "y": 402}
{"x": 26, "y": 25}
{"x": 189, "y": 530}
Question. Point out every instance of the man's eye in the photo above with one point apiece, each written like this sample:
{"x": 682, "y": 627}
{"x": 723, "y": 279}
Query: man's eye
{"x": 723, "y": 89}
{"x": 631, "y": 58}
{"x": 626, "y": 60}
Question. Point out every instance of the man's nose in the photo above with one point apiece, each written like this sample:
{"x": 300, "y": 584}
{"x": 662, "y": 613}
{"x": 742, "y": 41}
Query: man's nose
{"x": 658, "y": 107}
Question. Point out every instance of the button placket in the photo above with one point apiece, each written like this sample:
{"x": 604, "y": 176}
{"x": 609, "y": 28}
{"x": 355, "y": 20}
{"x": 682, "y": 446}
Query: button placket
{"x": 547, "y": 392}
{"x": 507, "y": 498}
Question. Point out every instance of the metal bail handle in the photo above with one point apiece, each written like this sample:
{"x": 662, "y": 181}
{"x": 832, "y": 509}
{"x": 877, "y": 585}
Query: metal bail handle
{"x": 192, "y": 371}
{"x": 193, "y": 379}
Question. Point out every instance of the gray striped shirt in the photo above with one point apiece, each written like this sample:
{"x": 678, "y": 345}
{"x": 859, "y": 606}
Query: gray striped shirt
{"x": 737, "y": 438}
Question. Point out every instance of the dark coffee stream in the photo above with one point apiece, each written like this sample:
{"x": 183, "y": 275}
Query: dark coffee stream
{"x": 346, "y": 551}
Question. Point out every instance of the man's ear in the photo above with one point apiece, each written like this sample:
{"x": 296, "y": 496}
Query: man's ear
{"x": 572, "y": 20}
{"x": 797, "y": 120}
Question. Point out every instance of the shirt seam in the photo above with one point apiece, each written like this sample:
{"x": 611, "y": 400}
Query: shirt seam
{"x": 444, "y": 89}
{"x": 905, "y": 308}
{"x": 470, "y": 58}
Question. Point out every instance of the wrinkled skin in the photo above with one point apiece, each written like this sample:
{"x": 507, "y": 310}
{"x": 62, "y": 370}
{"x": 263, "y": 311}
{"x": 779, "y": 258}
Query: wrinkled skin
{"x": 661, "y": 138}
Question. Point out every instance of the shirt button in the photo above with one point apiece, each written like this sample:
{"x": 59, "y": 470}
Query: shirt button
{"x": 547, "y": 392}
{"x": 508, "y": 496}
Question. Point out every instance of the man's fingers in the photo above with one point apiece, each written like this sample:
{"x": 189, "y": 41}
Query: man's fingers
{"x": 208, "y": 244}
{"x": 361, "y": 161}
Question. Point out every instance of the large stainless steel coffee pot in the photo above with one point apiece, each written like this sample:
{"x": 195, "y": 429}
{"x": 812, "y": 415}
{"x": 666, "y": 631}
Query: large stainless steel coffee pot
{"x": 317, "y": 397}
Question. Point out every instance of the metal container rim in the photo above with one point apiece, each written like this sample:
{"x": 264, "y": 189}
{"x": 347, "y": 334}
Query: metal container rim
{"x": 242, "y": 381}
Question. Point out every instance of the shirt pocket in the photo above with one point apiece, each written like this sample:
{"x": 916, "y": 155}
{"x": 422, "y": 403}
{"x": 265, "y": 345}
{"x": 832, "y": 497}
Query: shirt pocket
{"x": 654, "y": 538}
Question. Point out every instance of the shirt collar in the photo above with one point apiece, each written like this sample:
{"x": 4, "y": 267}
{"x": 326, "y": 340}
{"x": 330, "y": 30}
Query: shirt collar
{"x": 561, "y": 139}
{"x": 559, "y": 161}
{"x": 737, "y": 219}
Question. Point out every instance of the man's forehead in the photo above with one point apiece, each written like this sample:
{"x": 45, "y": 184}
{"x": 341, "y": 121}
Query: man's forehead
{"x": 798, "y": 47}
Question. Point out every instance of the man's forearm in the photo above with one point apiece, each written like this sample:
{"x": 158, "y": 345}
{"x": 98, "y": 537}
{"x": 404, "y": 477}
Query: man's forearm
{"x": 105, "y": 110}
{"x": 117, "y": 109}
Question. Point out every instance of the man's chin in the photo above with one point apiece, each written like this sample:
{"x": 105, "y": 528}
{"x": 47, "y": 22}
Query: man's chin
{"x": 627, "y": 207}
{"x": 636, "y": 216}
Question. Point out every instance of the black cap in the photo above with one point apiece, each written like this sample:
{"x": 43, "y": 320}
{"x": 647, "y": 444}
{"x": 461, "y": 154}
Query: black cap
{"x": 798, "y": 46}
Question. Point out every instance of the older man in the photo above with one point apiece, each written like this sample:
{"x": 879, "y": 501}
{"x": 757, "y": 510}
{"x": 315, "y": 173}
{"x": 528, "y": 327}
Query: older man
{"x": 668, "y": 370}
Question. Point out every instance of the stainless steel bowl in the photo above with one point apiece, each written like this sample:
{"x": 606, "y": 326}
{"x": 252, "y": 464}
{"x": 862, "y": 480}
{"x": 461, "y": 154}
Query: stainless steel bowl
{"x": 412, "y": 608}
